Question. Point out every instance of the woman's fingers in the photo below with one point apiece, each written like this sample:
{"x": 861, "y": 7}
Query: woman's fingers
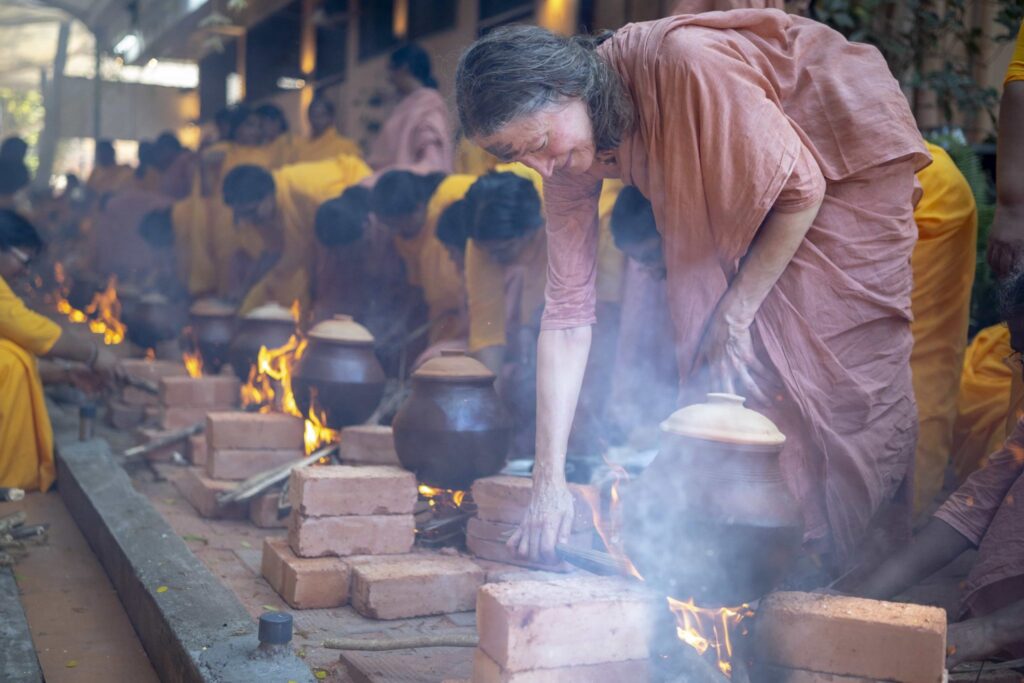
{"x": 513, "y": 541}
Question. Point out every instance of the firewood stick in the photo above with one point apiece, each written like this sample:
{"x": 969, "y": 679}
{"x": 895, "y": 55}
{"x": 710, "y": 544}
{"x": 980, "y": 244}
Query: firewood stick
{"x": 165, "y": 440}
{"x": 405, "y": 643}
{"x": 143, "y": 384}
{"x": 11, "y": 521}
{"x": 258, "y": 483}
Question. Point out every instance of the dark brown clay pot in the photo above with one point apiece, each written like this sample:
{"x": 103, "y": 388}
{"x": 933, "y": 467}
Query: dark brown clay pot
{"x": 213, "y": 328}
{"x": 150, "y": 318}
{"x": 453, "y": 428}
{"x": 712, "y": 517}
{"x": 340, "y": 370}
{"x": 270, "y": 326}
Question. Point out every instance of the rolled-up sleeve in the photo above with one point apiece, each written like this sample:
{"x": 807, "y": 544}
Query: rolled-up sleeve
{"x": 570, "y": 298}
{"x": 805, "y": 186}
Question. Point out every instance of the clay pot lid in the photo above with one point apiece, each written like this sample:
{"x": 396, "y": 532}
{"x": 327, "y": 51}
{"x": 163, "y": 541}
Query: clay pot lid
{"x": 271, "y": 312}
{"x": 212, "y": 307}
{"x": 724, "y": 419}
{"x": 341, "y": 329}
{"x": 453, "y": 366}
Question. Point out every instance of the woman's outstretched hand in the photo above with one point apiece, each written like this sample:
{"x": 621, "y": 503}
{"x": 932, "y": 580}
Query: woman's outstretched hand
{"x": 548, "y": 520}
{"x": 728, "y": 352}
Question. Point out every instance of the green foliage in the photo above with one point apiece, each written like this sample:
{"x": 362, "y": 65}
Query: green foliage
{"x": 23, "y": 115}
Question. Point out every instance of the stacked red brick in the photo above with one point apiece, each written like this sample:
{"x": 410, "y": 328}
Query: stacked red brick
{"x": 184, "y": 401}
{"x": 572, "y": 630}
{"x": 501, "y": 503}
{"x": 350, "y": 536}
{"x": 136, "y": 406}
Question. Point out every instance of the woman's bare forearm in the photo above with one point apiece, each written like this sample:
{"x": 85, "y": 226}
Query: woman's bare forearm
{"x": 561, "y": 362}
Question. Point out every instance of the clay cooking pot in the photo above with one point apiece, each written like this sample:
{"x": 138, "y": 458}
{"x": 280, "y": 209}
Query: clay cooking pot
{"x": 150, "y": 318}
{"x": 270, "y": 325}
{"x": 213, "y": 325}
{"x": 453, "y": 428}
{"x": 712, "y": 518}
{"x": 341, "y": 369}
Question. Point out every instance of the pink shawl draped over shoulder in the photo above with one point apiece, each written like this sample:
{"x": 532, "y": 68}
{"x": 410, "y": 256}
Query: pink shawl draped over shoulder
{"x": 736, "y": 113}
{"x": 418, "y": 133}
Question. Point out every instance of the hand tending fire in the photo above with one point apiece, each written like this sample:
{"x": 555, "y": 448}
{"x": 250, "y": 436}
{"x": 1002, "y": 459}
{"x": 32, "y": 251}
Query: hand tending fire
{"x": 102, "y": 315}
{"x": 698, "y": 627}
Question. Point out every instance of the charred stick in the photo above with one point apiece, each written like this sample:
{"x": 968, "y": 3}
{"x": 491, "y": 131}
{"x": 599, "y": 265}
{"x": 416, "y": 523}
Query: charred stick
{"x": 143, "y": 384}
{"x": 406, "y": 643}
{"x": 11, "y": 521}
{"x": 165, "y": 440}
{"x": 259, "y": 483}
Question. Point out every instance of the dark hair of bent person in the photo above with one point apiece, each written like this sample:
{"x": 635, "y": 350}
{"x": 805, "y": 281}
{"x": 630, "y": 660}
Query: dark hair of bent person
{"x": 13, "y": 175}
{"x": 168, "y": 140}
{"x": 342, "y": 220}
{"x": 1011, "y": 295}
{"x": 247, "y": 184}
{"x": 105, "y": 151}
{"x": 14, "y": 147}
{"x": 632, "y": 218}
{"x": 274, "y": 113}
{"x": 516, "y": 71}
{"x": 239, "y": 114}
{"x": 156, "y": 228}
{"x": 400, "y": 193}
{"x": 453, "y": 225}
{"x": 322, "y": 100}
{"x": 503, "y": 206}
{"x": 18, "y": 231}
{"x": 416, "y": 60}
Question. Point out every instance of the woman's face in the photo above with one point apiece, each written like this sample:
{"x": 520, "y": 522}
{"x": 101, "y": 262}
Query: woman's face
{"x": 558, "y": 138}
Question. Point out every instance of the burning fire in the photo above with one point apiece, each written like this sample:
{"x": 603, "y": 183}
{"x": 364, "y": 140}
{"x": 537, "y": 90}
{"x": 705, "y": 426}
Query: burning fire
{"x": 102, "y": 315}
{"x": 699, "y": 627}
{"x": 433, "y": 494}
{"x": 193, "y": 364}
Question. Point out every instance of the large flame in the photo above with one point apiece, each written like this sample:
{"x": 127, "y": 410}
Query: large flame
{"x": 193, "y": 363}
{"x": 102, "y": 315}
{"x": 699, "y": 627}
{"x": 432, "y": 495}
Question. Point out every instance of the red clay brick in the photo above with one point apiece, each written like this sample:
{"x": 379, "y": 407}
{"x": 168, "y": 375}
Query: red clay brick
{"x": 201, "y": 492}
{"x": 504, "y": 499}
{"x": 244, "y": 463}
{"x": 236, "y": 429}
{"x": 368, "y": 445}
{"x": 304, "y": 583}
{"x": 153, "y": 370}
{"x": 263, "y": 512}
{"x": 486, "y": 670}
{"x": 219, "y": 391}
{"x": 777, "y": 674}
{"x": 348, "y": 490}
{"x": 486, "y": 540}
{"x": 137, "y": 397}
{"x": 197, "y": 450}
{"x": 343, "y": 536}
{"x": 529, "y": 625}
{"x": 500, "y": 572}
{"x": 179, "y": 417}
{"x": 852, "y": 637}
{"x": 385, "y": 588}
{"x": 125, "y": 416}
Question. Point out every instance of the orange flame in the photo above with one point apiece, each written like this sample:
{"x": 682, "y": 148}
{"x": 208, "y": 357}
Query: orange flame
{"x": 193, "y": 363}
{"x": 317, "y": 434}
{"x": 150, "y": 354}
{"x": 102, "y": 315}
{"x": 432, "y": 494}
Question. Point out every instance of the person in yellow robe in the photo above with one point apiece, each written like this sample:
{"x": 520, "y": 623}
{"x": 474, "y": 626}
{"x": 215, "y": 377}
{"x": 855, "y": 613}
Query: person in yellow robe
{"x": 943, "y": 262}
{"x": 471, "y": 159}
{"x": 107, "y": 175}
{"x": 274, "y": 260}
{"x": 26, "y": 437}
{"x": 324, "y": 141}
{"x": 409, "y": 205}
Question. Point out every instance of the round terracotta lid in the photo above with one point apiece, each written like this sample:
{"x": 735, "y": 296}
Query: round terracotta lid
{"x": 453, "y": 366}
{"x": 724, "y": 419}
{"x": 343, "y": 329}
{"x": 212, "y": 307}
{"x": 275, "y": 312}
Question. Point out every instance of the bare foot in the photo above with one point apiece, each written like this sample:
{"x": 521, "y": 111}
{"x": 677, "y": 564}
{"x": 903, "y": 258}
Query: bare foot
{"x": 970, "y": 641}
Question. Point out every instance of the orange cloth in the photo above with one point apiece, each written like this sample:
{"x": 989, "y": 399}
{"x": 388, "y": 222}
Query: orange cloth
{"x": 300, "y": 190}
{"x": 943, "y": 262}
{"x": 26, "y": 437}
{"x": 472, "y": 159}
{"x": 418, "y": 133}
{"x": 985, "y": 395}
{"x": 1015, "y": 72}
{"x": 766, "y": 110}
{"x": 329, "y": 144}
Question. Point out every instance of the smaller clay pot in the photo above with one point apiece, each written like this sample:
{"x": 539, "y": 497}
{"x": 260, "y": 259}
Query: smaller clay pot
{"x": 213, "y": 327}
{"x": 270, "y": 325}
{"x": 150, "y": 318}
{"x": 453, "y": 428}
{"x": 83, "y": 289}
{"x": 340, "y": 368}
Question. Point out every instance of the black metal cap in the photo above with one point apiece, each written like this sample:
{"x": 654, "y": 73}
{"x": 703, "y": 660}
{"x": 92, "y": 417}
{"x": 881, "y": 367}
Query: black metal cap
{"x": 275, "y": 628}
{"x": 87, "y": 410}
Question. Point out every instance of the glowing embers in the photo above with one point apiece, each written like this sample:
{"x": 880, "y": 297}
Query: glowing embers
{"x": 102, "y": 315}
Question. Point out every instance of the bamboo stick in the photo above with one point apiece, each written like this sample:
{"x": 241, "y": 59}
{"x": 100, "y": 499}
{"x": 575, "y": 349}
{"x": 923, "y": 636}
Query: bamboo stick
{"x": 404, "y": 643}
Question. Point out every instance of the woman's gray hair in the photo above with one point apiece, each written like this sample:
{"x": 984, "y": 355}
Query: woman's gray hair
{"x": 516, "y": 71}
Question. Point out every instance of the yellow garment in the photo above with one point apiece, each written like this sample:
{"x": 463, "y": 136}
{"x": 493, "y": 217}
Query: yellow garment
{"x": 450, "y": 190}
{"x": 443, "y": 292}
{"x": 329, "y": 144}
{"x": 486, "y": 282}
{"x": 194, "y": 259}
{"x": 943, "y": 263}
{"x": 980, "y": 426}
{"x": 104, "y": 179}
{"x": 300, "y": 190}
{"x": 1015, "y": 72}
{"x": 472, "y": 159}
{"x": 611, "y": 262}
{"x": 26, "y": 437}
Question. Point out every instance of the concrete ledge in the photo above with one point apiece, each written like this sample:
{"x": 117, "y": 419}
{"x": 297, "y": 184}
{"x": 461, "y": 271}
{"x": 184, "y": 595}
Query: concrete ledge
{"x": 18, "y": 662}
{"x": 179, "y": 609}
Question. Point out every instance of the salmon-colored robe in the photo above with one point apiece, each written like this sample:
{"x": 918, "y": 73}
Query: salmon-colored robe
{"x": 417, "y": 133}
{"x": 738, "y": 113}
